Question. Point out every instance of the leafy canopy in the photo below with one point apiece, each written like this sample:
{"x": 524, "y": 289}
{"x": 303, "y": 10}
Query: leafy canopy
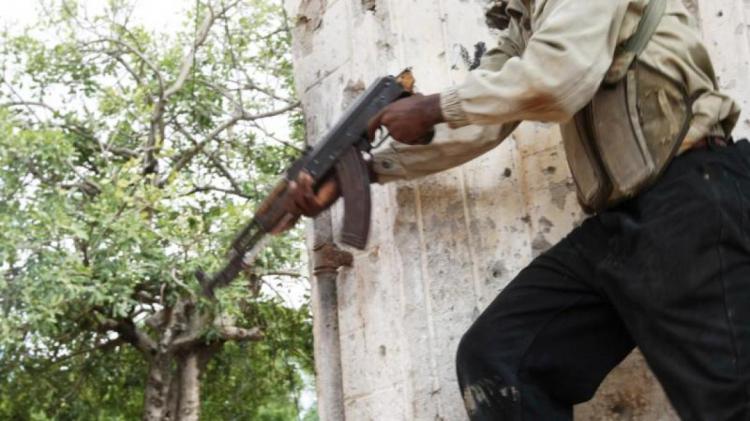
{"x": 128, "y": 159}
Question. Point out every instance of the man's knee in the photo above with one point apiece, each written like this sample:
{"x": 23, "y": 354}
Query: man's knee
{"x": 488, "y": 385}
{"x": 469, "y": 349}
{"x": 478, "y": 357}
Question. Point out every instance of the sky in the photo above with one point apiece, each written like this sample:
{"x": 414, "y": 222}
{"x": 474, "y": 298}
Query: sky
{"x": 153, "y": 14}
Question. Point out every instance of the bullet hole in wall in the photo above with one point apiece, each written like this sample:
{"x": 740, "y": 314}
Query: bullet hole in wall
{"x": 479, "y": 49}
{"x": 498, "y": 269}
{"x": 352, "y": 91}
{"x": 369, "y": 5}
{"x": 473, "y": 62}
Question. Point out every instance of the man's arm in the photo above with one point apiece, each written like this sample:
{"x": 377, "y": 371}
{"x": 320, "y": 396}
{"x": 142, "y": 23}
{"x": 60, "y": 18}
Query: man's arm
{"x": 549, "y": 79}
{"x": 562, "y": 66}
{"x": 396, "y": 160}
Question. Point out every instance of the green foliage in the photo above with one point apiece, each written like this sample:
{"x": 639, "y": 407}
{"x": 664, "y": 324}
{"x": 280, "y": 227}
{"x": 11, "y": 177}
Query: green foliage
{"x": 97, "y": 386}
{"x": 113, "y": 193}
{"x": 233, "y": 393}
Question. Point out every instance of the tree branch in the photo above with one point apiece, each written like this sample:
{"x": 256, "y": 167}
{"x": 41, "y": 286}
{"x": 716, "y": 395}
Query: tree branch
{"x": 28, "y": 104}
{"x": 223, "y": 170}
{"x": 226, "y": 333}
{"x": 273, "y": 137}
{"x": 252, "y": 86}
{"x": 238, "y": 334}
{"x": 214, "y": 160}
{"x": 188, "y": 61}
{"x": 118, "y": 58}
{"x": 156, "y": 132}
{"x": 132, "y": 335}
{"x": 186, "y": 341}
{"x": 137, "y": 53}
{"x": 122, "y": 152}
{"x": 289, "y": 274}
{"x": 87, "y": 187}
{"x": 157, "y": 320}
{"x": 156, "y": 129}
{"x": 184, "y": 159}
{"x": 205, "y": 189}
{"x": 104, "y": 346}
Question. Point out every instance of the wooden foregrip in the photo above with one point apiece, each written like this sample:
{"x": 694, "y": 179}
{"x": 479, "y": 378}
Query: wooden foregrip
{"x": 273, "y": 210}
{"x": 353, "y": 177}
{"x": 272, "y": 197}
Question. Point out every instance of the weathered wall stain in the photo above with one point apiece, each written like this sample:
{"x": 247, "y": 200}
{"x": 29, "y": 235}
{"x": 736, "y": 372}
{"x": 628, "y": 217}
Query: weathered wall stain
{"x": 307, "y": 19}
{"x": 369, "y": 5}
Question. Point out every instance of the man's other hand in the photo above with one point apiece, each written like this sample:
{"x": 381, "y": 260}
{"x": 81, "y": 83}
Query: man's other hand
{"x": 409, "y": 120}
{"x": 302, "y": 199}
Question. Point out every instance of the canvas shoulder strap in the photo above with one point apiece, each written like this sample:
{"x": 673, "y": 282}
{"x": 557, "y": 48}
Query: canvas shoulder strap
{"x": 647, "y": 27}
{"x": 636, "y": 44}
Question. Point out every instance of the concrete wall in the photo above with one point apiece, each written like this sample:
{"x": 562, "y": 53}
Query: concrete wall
{"x": 442, "y": 247}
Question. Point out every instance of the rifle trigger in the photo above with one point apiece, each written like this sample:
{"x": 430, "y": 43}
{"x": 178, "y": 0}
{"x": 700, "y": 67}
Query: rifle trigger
{"x": 381, "y": 141}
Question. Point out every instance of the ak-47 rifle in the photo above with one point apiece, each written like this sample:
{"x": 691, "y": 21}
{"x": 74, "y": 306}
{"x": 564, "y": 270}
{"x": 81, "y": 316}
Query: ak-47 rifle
{"x": 339, "y": 154}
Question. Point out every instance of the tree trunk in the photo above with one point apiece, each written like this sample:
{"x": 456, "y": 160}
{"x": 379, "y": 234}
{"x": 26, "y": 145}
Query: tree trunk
{"x": 157, "y": 388}
{"x": 173, "y": 396}
{"x": 173, "y": 388}
{"x": 189, "y": 391}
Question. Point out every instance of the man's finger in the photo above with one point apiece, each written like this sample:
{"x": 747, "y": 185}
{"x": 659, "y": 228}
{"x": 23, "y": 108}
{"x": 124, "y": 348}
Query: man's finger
{"x": 374, "y": 124}
{"x": 306, "y": 183}
{"x": 300, "y": 200}
{"x": 306, "y": 201}
{"x": 291, "y": 203}
{"x": 327, "y": 194}
{"x": 305, "y": 195}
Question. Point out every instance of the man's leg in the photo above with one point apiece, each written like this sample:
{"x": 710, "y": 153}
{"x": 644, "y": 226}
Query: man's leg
{"x": 679, "y": 276}
{"x": 544, "y": 344}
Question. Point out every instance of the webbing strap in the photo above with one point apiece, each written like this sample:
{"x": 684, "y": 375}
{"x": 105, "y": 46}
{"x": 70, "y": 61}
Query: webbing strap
{"x": 647, "y": 27}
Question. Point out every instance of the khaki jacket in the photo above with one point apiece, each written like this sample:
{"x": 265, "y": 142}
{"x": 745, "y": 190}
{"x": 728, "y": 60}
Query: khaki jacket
{"x": 548, "y": 65}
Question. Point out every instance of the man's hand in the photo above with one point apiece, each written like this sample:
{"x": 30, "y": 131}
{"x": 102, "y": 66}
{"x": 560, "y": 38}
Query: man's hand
{"x": 303, "y": 200}
{"x": 306, "y": 201}
{"x": 409, "y": 120}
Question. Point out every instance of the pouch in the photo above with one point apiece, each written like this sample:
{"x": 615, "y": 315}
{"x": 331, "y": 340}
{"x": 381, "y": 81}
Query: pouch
{"x": 625, "y": 137}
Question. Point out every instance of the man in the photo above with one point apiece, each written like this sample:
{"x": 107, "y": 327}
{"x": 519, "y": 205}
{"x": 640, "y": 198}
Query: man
{"x": 663, "y": 264}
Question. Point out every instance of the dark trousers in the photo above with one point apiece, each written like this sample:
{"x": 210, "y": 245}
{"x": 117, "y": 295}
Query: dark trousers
{"x": 668, "y": 271}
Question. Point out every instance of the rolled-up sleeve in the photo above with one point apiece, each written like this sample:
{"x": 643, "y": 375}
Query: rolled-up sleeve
{"x": 396, "y": 161}
{"x": 560, "y": 69}
{"x": 451, "y": 148}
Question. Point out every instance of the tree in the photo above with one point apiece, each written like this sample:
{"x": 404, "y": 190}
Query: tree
{"x": 128, "y": 161}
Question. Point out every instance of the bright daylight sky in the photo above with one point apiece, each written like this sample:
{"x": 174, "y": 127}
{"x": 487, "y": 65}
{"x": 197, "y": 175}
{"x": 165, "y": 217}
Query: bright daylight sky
{"x": 154, "y": 14}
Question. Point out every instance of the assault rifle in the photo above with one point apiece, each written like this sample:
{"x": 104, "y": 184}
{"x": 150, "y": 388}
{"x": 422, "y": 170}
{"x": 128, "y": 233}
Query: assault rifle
{"x": 340, "y": 154}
